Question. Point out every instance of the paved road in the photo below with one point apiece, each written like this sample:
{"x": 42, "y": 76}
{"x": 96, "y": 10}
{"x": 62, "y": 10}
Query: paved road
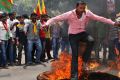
{"x": 20, "y": 73}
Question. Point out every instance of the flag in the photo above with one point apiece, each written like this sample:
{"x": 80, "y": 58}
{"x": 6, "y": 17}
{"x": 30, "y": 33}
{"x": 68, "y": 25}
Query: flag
{"x": 44, "y": 11}
{"x": 11, "y": 1}
{"x": 6, "y": 5}
{"x": 37, "y": 10}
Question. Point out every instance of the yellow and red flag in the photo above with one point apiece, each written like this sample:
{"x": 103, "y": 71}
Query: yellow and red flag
{"x": 37, "y": 10}
{"x": 11, "y": 1}
{"x": 44, "y": 11}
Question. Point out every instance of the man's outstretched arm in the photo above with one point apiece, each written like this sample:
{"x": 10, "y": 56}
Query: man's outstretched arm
{"x": 58, "y": 18}
{"x": 102, "y": 19}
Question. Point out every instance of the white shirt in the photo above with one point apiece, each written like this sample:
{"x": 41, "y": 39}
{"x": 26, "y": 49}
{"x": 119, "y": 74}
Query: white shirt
{"x": 13, "y": 31}
{"x": 3, "y": 32}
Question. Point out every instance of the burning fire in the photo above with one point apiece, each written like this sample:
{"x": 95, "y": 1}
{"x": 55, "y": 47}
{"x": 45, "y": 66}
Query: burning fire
{"x": 93, "y": 65}
{"x": 61, "y": 68}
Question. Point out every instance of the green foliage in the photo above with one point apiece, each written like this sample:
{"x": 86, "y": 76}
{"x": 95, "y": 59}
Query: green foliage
{"x": 5, "y": 5}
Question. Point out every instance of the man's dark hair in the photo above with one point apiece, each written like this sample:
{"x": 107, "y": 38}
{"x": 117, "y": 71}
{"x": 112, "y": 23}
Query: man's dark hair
{"x": 4, "y": 15}
{"x": 10, "y": 14}
{"x": 44, "y": 16}
{"x": 25, "y": 16}
{"x": 18, "y": 17}
{"x": 80, "y": 2}
{"x": 33, "y": 14}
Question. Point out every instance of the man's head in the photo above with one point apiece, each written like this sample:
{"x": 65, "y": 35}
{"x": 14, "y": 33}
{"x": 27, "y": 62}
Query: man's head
{"x": 20, "y": 18}
{"x": 81, "y": 6}
{"x": 44, "y": 17}
{"x": 12, "y": 16}
{"x": 4, "y": 17}
{"x": 25, "y": 16}
{"x": 33, "y": 17}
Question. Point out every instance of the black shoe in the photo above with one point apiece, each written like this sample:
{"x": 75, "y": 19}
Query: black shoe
{"x": 37, "y": 62}
{"x": 12, "y": 64}
{"x": 75, "y": 77}
{"x": 50, "y": 58}
{"x": 4, "y": 67}
{"x": 56, "y": 59}
{"x": 18, "y": 64}
{"x": 29, "y": 63}
{"x": 43, "y": 60}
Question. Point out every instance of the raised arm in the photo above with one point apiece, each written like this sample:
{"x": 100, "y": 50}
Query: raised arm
{"x": 61, "y": 17}
{"x": 26, "y": 28}
{"x": 100, "y": 18}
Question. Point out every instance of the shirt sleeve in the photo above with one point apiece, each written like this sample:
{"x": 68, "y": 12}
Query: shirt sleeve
{"x": 39, "y": 24}
{"x": 10, "y": 33}
{"x": 99, "y": 18}
{"x": 17, "y": 32}
{"x": 26, "y": 27}
{"x": 61, "y": 17}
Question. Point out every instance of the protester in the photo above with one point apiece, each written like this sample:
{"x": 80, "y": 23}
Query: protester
{"x": 32, "y": 31}
{"x": 21, "y": 39}
{"x": 77, "y": 20}
{"x": 4, "y": 37}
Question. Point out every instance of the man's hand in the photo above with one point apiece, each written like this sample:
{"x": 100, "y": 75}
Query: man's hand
{"x": 15, "y": 24}
{"x": 117, "y": 24}
{"x": 43, "y": 27}
{"x": 13, "y": 41}
{"x": 0, "y": 41}
{"x": 17, "y": 43}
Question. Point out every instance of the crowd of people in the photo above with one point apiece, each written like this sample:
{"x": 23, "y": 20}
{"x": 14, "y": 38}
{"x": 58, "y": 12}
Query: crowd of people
{"x": 24, "y": 34}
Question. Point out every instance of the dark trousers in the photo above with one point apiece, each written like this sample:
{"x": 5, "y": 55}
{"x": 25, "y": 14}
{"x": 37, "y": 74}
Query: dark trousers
{"x": 30, "y": 43}
{"x": 111, "y": 55}
{"x": 3, "y": 48}
{"x": 33, "y": 53}
{"x": 101, "y": 43}
{"x": 47, "y": 47}
{"x": 12, "y": 54}
{"x": 117, "y": 44}
{"x": 74, "y": 40}
{"x": 21, "y": 46}
{"x": 43, "y": 49}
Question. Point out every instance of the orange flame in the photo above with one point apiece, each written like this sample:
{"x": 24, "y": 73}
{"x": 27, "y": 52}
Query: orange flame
{"x": 61, "y": 69}
{"x": 93, "y": 65}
